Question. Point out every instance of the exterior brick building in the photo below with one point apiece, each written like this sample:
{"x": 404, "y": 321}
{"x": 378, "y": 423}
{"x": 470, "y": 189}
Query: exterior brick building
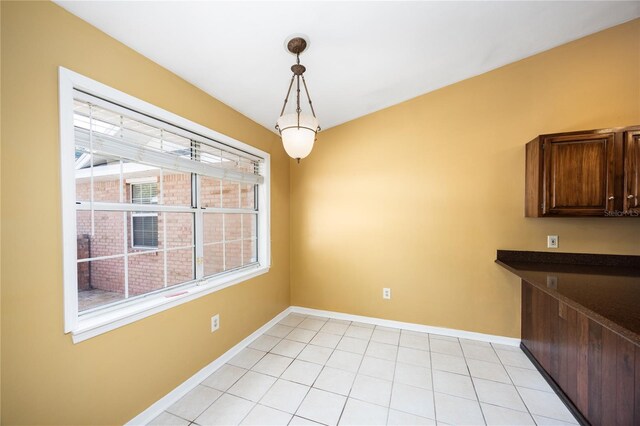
{"x": 229, "y": 238}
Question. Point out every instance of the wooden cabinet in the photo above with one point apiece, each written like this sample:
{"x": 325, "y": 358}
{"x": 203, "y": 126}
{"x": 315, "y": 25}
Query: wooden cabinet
{"x": 579, "y": 175}
{"x": 597, "y": 369}
{"x": 588, "y": 173}
{"x": 632, "y": 171}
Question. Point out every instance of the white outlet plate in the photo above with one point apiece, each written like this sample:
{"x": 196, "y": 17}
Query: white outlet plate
{"x": 215, "y": 322}
{"x": 552, "y": 241}
{"x": 386, "y": 293}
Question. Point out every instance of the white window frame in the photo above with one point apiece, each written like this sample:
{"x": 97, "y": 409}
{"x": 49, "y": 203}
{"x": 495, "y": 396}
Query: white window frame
{"x": 101, "y": 321}
{"x": 142, "y": 181}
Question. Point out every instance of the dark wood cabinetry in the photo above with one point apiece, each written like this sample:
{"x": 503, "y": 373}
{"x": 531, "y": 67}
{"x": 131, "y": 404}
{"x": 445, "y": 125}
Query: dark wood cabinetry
{"x": 589, "y": 173}
{"x": 579, "y": 173}
{"x": 596, "y": 368}
{"x": 632, "y": 171}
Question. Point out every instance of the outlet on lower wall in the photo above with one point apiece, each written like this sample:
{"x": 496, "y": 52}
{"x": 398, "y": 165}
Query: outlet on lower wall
{"x": 386, "y": 293}
{"x": 215, "y": 322}
{"x": 552, "y": 241}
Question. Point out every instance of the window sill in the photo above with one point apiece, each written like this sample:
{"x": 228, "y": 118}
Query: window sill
{"x": 99, "y": 323}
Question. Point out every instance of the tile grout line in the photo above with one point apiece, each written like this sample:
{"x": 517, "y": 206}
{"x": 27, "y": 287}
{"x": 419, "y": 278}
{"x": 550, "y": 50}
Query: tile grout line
{"x": 270, "y": 387}
{"x": 394, "y": 368}
{"x": 514, "y": 385}
{"x": 357, "y": 372}
{"x": 473, "y": 384}
{"x": 222, "y": 392}
{"x": 398, "y": 346}
{"x": 393, "y": 379}
{"x": 433, "y": 381}
{"x": 468, "y": 370}
{"x": 308, "y": 390}
{"x": 314, "y": 381}
{"x": 256, "y": 363}
{"x": 310, "y": 386}
{"x": 257, "y": 402}
{"x": 527, "y": 406}
{"x": 323, "y": 367}
{"x": 295, "y": 413}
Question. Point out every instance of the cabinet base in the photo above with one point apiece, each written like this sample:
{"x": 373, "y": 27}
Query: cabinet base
{"x": 563, "y": 397}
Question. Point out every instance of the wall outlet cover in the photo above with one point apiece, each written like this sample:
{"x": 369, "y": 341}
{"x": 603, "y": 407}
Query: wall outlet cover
{"x": 552, "y": 241}
{"x": 215, "y": 322}
{"x": 386, "y": 293}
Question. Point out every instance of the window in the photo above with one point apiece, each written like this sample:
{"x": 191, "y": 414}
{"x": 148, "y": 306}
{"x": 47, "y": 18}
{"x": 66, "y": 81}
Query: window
{"x": 144, "y": 226}
{"x": 157, "y": 210}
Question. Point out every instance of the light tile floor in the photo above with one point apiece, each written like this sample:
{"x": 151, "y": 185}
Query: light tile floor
{"x": 308, "y": 370}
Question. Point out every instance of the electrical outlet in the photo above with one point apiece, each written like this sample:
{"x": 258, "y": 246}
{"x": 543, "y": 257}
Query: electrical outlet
{"x": 386, "y": 293}
{"x": 215, "y": 322}
{"x": 552, "y": 282}
{"x": 552, "y": 241}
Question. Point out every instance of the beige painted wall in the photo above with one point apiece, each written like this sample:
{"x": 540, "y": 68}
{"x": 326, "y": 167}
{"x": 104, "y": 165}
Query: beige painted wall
{"x": 0, "y": 225}
{"x": 418, "y": 197}
{"x": 46, "y": 379}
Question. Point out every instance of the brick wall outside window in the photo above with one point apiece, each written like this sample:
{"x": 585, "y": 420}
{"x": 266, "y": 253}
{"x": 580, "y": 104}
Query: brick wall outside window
{"x": 146, "y": 269}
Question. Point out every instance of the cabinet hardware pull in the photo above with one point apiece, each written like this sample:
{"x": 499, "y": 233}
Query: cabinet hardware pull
{"x": 630, "y": 196}
{"x": 612, "y": 197}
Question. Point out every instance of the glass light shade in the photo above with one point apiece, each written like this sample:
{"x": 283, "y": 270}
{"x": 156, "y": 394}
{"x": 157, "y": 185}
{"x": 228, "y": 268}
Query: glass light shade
{"x": 298, "y": 141}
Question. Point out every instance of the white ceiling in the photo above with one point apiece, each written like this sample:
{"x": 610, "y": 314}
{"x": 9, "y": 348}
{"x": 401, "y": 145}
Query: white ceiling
{"x": 364, "y": 56}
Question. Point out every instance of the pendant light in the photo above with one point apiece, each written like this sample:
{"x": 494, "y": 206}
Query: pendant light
{"x": 298, "y": 130}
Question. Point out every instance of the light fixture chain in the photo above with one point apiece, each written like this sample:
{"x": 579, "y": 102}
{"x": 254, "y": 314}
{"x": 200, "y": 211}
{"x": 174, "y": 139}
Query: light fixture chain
{"x": 286, "y": 99}
{"x": 304, "y": 82}
{"x": 298, "y": 109}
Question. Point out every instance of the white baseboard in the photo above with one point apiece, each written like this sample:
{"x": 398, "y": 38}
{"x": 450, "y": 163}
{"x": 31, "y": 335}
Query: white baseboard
{"x": 169, "y": 399}
{"x": 510, "y": 341}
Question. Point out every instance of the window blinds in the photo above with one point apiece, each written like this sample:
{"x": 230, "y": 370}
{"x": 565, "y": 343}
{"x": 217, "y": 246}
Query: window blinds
{"x": 109, "y": 129}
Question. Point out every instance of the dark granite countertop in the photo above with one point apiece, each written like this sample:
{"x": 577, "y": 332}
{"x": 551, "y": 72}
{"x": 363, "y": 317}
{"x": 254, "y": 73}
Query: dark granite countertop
{"x": 604, "y": 287}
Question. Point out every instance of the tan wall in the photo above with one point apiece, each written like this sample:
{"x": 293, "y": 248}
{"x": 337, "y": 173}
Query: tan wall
{"x": 418, "y": 197}
{"x": 0, "y": 223}
{"x": 46, "y": 379}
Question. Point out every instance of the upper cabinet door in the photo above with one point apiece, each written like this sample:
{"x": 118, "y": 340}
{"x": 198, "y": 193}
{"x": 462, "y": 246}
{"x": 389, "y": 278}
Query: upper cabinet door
{"x": 632, "y": 171}
{"x": 578, "y": 172}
